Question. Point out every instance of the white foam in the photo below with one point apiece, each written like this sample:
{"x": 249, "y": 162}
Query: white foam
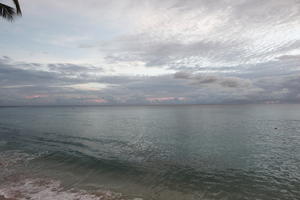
{"x": 14, "y": 157}
{"x": 13, "y": 161}
{"x": 9, "y": 160}
{"x": 21, "y": 186}
{"x": 37, "y": 189}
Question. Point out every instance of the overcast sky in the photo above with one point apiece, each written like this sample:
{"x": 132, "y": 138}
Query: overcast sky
{"x": 95, "y": 52}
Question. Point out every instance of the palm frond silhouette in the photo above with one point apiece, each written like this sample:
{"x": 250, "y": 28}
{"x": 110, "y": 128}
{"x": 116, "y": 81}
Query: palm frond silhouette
{"x": 8, "y": 12}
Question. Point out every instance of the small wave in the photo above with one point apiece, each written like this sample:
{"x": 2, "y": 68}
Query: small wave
{"x": 56, "y": 141}
{"x": 94, "y": 140}
{"x": 46, "y": 189}
{"x": 3, "y": 143}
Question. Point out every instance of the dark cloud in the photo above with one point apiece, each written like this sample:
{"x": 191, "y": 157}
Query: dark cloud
{"x": 182, "y": 75}
{"x": 52, "y": 84}
{"x": 52, "y": 74}
{"x": 213, "y": 80}
{"x": 16, "y": 76}
{"x": 290, "y": 58}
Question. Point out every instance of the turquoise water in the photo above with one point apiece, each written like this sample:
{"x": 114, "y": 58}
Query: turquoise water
{"x": 155, "y": 152}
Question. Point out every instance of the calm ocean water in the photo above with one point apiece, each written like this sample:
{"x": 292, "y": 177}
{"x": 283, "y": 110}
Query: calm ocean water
{"x": 229, "y": 152}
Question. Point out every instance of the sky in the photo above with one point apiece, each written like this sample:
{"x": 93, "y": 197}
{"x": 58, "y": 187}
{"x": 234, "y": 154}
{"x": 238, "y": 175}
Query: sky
{"x": 107, "y": 52}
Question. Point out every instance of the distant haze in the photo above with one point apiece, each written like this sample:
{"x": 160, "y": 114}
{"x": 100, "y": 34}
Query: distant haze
{"x": 99, "y": 52}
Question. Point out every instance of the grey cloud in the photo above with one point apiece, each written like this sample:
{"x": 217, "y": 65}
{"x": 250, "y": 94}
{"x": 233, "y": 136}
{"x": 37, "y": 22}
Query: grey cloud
{"x": 71, "y": 68}
{"x": 12, "y": 75}
{"x": 31, "y": 86}
{"x": 214, "y": 80}
{"x": 36, "y": 86}
{"x": 53, "y": 74}
{"x": 75, "y": 71}
{"x": 281, "y": 66}
{"x": 182, "y": 75}
{"x": 290, "y": 58}
{"x": 231, "y": 42}
{"x": 169, "y": 53}
{"x": 234, "y": 82}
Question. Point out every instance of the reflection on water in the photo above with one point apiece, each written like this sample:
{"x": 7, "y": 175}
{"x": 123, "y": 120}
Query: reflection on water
{"x": 158, "y": 152}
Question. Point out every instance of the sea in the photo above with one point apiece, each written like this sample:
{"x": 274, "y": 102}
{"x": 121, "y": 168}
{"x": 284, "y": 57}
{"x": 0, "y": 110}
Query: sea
{"x": 163, "y": 152}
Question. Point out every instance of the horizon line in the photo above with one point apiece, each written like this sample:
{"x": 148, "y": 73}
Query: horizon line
{"x": 129, "y": 105}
